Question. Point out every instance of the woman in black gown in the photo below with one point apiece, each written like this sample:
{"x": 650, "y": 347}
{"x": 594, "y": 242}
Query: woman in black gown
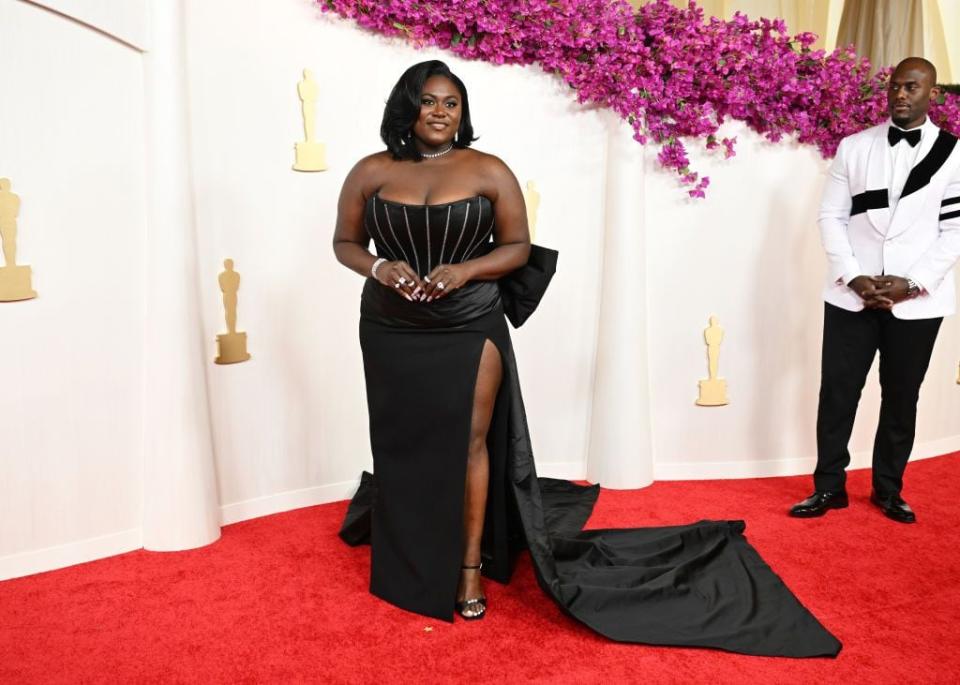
{"x": 454, "y": 481}
{"x": 432, "y": 332}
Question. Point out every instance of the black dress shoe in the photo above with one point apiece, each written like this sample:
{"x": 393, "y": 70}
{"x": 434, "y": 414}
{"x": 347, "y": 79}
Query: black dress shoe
{"x": 818, "y": 503}
{"x": 894, "y": 508}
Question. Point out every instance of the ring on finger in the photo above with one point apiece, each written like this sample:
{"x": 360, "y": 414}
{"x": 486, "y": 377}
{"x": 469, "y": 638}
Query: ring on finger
{"x": 402, "y": 280}
{"x": 440, "y": 285}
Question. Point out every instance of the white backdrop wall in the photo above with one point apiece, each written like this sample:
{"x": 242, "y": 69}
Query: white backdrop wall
{"x": 72, "y": 143}
{"x": 751, "y": 255}
{"x": 289, "y": 427}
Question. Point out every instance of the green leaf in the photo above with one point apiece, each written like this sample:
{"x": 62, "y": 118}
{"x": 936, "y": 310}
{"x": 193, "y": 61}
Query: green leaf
{"x": 457, "y": 37}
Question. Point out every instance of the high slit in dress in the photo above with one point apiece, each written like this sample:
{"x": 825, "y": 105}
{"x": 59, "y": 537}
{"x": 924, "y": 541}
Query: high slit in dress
{"x": 696, "y": 585}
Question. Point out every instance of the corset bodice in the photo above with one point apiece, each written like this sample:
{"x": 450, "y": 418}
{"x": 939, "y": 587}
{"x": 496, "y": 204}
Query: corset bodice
{"x": 427, "y": 235}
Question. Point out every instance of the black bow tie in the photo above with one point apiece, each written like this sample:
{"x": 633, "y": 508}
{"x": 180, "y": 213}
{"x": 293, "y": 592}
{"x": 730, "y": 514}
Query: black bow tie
{"x": 895, "y": 135}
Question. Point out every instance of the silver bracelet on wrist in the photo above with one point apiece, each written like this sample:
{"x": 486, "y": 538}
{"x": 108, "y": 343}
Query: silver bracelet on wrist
{"x": 376, "y": 265}
{"x": 913, "y": 290}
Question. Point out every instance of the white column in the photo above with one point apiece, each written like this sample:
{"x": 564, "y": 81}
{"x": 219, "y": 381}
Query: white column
{"x": 620, "y": 452}
{"x": 180, "y": 502}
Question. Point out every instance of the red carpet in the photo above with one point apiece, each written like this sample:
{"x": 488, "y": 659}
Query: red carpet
{"x": 281, "y": 599}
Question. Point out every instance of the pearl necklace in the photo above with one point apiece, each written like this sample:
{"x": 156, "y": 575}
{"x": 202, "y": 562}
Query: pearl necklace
{"x": 434, "y": 155}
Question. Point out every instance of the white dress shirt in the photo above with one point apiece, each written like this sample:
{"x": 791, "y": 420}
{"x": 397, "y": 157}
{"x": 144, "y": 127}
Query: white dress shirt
{"x": 902, "y": 159}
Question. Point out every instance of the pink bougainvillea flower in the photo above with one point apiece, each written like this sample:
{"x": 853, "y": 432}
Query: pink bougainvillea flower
{"x": 668, "y": 73}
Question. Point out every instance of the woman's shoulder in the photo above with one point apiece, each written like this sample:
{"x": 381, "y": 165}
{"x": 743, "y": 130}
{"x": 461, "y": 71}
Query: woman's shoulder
{"x": 489, "y": 163}
{"x": 481, "y": 157}
{"x": 374, "y": 161}
{"x": 369, "y": 171}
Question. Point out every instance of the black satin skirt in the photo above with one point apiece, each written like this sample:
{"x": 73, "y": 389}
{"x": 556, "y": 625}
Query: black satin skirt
{"x": 699, "y": 585}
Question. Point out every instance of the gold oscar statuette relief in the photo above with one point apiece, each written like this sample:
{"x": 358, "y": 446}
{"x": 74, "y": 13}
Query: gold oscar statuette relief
{"x": 15, "y": 281}
{"x": 310, "y": 155}
{"x": 713, "y": 390}
{"x": 531, "y": 198}
{"x": 231, "y": 346}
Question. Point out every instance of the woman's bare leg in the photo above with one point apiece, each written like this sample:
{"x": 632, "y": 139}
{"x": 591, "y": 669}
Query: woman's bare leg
{"x": 478, "y": 472}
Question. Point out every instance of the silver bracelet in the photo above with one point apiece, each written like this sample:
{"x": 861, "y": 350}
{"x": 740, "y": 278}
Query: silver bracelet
{"x": 376, "y": 265}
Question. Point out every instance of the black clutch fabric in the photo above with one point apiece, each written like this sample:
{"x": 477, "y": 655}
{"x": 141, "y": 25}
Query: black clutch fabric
{"x": 522, "y": 290}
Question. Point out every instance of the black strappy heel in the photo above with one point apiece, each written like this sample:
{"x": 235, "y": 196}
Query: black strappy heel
{"x": 472, "y": 603}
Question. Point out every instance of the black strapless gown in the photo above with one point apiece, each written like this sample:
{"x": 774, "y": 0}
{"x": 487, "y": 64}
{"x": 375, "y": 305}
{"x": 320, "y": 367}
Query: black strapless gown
{"x": 695, "y": 585}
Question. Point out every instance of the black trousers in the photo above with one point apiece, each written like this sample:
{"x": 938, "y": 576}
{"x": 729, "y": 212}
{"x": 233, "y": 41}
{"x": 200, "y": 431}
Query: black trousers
{"x": 850, "y": 342}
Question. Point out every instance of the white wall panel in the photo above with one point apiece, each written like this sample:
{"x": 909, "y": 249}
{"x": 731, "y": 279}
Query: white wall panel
{"x": 125, "y": 20}
{"x": 71, "y": 141}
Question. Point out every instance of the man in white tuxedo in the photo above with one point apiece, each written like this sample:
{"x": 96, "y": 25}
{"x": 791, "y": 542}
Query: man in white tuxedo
{"x": 890, "y": 225}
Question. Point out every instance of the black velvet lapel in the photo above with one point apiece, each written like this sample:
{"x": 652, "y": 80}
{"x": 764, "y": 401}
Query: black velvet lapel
{"x": 869, "y": 199}
{"x": 921, "y": 174}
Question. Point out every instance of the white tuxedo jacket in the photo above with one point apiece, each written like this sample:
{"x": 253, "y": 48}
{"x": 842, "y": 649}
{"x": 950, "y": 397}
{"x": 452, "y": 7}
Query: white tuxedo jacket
{"x": 919, "y": 239}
